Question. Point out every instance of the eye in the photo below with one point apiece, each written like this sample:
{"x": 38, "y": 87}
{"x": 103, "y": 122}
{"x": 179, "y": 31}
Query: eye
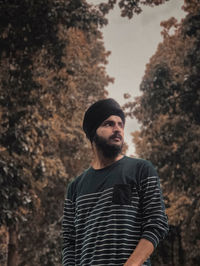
{"x": 107, "y": 124}
{"x": 121, "y": 125}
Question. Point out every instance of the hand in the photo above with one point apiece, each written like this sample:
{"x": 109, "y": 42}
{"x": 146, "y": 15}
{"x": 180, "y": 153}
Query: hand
{"x": 131, "y": 263}
{"x": 142, "y": 252}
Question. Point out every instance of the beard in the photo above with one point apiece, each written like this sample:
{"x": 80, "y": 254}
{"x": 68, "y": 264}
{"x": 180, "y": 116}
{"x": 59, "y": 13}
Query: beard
{"x": 108, "y": 150}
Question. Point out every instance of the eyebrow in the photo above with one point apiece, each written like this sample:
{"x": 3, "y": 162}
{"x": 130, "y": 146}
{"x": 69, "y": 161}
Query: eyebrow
{"x": 111, "y": 121}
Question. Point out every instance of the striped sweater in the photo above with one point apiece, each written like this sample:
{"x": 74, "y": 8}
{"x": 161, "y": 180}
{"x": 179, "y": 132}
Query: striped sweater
{"x": 107, "y": 212}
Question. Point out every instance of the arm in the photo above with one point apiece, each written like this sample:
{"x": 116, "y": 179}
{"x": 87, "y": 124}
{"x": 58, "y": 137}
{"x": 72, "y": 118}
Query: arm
{"x": 154, "y": 219}
{"x": 68, "y": 232}
{"x": 154, "y": 224}
{"x": 142, "y": 252}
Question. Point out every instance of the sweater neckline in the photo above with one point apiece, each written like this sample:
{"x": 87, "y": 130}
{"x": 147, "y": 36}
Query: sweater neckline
{"x": 107, "y": 167}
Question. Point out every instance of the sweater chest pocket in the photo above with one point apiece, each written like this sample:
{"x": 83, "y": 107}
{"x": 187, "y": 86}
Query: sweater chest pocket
{"x": 122, "y": 194}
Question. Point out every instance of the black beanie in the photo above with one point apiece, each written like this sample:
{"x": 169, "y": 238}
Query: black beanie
{"x": 97, "y": 113}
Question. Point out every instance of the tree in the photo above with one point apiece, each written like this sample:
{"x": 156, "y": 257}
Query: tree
{"x": 168, "y": 111}
{"x": 52, "y": 67}
{"x": 128, "y": 7}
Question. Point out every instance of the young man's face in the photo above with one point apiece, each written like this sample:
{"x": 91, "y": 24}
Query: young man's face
{"x": 112, "y": 129}
{"x": 109, "y": 136}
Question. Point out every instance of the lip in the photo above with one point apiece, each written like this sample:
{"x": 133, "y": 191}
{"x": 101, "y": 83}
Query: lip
{"x": 117, "y": 138}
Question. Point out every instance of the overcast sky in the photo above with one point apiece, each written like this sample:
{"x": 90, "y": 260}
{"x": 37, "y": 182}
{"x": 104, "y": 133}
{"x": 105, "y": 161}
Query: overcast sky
{"x": 132, "y": 43}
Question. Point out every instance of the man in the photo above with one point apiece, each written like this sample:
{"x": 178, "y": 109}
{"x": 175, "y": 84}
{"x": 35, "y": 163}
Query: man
{"x": 114, "y": 211}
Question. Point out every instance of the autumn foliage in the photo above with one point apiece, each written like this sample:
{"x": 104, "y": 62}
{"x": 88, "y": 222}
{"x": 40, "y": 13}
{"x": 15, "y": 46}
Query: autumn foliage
{"x": 128, "y": 8}
{"x": 169, "y": 113}
{"x": 52, "y": 66}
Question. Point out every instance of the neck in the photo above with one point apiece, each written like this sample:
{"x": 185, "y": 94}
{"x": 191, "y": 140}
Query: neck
{"x": 101, "y": 161}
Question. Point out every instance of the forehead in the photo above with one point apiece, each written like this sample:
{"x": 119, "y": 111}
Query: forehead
{"x": 114, "y": 118}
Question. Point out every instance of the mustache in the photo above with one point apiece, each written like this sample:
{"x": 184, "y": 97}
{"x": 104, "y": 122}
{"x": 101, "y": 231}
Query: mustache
{"x": 116, "y": 135}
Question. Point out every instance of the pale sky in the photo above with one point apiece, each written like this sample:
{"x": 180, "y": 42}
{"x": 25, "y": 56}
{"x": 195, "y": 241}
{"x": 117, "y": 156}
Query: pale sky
{"x": 132, "y": 43}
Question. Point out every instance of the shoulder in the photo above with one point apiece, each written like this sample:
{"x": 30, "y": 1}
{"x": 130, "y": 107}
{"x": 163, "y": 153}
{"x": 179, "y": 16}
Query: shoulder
{"x": 143, "y": 168}
{"x": 138, "y": 162}
{"x": 73, "y": 184}
{"x": 134, "y": 160}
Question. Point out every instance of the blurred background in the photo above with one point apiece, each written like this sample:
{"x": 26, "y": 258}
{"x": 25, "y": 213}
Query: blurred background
{"x": 58, "y": 57}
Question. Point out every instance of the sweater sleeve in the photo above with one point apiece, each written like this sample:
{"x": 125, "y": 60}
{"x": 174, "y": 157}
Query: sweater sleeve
{"x": 155, "y": 224}
{"x": 68, "y": 231}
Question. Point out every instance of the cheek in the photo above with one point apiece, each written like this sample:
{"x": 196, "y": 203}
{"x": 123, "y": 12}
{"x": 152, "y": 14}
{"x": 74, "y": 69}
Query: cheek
{"x": 98, "y": 131}
{"x": 101, "y": 132}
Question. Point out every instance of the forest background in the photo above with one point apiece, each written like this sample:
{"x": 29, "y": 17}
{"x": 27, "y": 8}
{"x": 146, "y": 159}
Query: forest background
{"x": 52, "y": 67}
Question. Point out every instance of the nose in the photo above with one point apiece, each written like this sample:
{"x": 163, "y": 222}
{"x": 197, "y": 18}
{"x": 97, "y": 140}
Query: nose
{"x": 117, "y": 128}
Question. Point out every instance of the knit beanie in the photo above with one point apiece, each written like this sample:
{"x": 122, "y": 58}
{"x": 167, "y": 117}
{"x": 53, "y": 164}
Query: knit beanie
{"x": 97, "y": 113}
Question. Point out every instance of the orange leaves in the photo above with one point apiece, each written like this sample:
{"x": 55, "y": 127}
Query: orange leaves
{"x": 179, "y": 203}
{"x": 174, "y": 149}
{"x": 4, "y": 240}
{"x": 191, "y": 7}
{"x": 172, "y": 22}
{"x": 52, "y": 66}
{"x": 77, "y": 44}
{"x": 168, "y": 111}
{"x": 129, "y": 7}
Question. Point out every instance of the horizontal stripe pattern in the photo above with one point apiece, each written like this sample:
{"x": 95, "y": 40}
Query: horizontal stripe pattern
{"x": 104, "y": 229}
{"x": 154, "y": 222}
{"x": 97, "y": 231}
{"x": 68, "y": 251}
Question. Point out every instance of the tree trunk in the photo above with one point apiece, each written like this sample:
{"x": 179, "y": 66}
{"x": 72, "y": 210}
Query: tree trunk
{"x": 3, "y": 245}
{"x": 12, "y": 246}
